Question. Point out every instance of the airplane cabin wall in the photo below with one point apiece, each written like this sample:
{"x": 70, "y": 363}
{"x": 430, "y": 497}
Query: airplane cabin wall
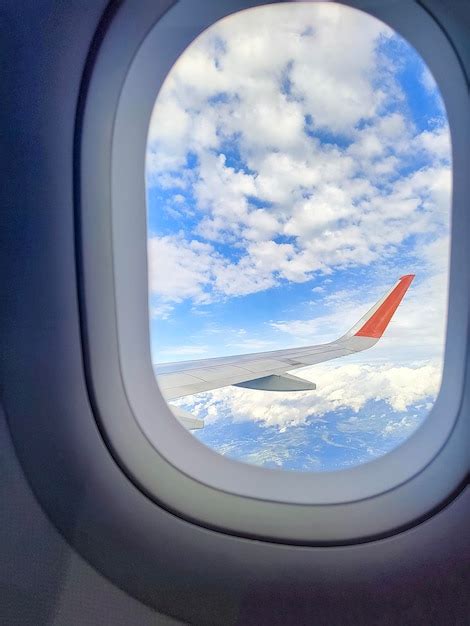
{"x": 419, "y": 576}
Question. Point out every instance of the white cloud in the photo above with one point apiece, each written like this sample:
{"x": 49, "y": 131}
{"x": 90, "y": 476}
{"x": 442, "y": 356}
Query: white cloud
{"x": 161, "y": 310}
{"x": 280, "y": 174}
{"x": 435, "y": 142}
{"x": 337, "y": 87}
{"x": 276, "y": 45}
{"x": 340, "y": 207}
{"x": 180, "y": 269}
{"x": 246, "y": 276}
{"x": 261, "y": 225}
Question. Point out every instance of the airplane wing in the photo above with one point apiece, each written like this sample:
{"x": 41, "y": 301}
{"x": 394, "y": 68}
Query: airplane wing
{"x": 269, "y": 370}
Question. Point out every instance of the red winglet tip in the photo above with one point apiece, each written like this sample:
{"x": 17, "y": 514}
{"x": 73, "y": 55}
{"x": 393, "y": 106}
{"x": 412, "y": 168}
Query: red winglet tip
{"x": 376, "y": 325}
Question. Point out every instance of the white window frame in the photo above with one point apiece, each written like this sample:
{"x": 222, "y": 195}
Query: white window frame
{"x": 167, "y": 462}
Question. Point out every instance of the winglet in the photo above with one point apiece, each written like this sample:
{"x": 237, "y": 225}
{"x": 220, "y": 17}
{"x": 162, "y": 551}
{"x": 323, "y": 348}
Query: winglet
{"x": 377, "y": 320}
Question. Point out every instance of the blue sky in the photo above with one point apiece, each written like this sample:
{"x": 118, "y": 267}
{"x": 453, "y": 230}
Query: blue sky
{"x": 290, "y": 182}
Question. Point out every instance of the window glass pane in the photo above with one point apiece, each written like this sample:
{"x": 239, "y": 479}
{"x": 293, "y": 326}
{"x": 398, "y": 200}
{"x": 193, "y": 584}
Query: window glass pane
{"x": 298, "y": 165}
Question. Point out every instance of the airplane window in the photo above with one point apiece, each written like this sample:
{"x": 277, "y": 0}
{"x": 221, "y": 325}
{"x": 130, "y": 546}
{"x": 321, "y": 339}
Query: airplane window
{"x": 298, "y": 194}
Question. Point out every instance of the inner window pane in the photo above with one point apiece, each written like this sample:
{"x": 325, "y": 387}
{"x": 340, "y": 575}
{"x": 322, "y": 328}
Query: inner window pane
{"x": 298, "y": 165}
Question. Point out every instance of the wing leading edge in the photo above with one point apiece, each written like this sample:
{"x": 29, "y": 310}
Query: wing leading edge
{"x": 268, "y": 370}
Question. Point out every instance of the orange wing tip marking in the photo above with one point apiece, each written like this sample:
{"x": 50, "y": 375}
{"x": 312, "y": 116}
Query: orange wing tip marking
{"x": 378, "y": 322}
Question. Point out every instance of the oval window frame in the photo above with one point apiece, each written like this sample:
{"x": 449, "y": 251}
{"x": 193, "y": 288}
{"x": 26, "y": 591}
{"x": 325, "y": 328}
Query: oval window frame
{"x": 161, "y": 457}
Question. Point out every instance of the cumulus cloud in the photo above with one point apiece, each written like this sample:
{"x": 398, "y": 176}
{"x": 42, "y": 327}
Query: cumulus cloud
{"x": 435, "y": 142}
{"x": 179, "y": 269}
{"x": 340, "y": 201}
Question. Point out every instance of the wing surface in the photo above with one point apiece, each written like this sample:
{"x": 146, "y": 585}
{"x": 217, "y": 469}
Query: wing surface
{"x": 268, "y": 370}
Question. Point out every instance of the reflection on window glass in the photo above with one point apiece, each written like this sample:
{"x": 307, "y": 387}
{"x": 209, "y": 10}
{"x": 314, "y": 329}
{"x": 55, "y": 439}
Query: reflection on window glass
{"x": 298, "y": 165}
